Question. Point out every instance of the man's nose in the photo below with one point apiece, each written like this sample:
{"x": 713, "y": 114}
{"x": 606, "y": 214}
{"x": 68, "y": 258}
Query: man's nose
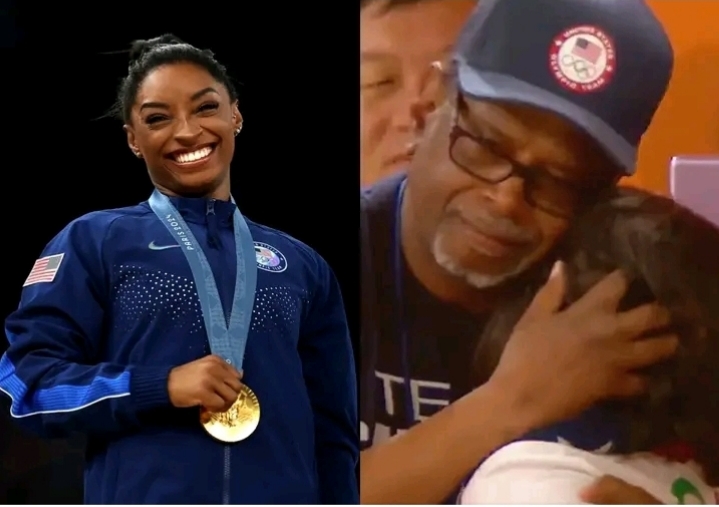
{"x": 507, "y": 197}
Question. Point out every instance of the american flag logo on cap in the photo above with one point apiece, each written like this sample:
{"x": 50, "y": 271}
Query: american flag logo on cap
{"x": 582, "y": 59}
{"x": 44, "y": 269}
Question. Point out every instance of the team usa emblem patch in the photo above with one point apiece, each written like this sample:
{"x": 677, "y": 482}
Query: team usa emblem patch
{"x": 269, "y": 258}
{"x": 582, "y": 59}
{"x": 44, "y": 270}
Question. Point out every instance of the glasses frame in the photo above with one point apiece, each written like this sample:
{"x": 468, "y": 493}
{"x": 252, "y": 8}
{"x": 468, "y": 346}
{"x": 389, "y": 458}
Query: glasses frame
{"x": 530, "y": 175}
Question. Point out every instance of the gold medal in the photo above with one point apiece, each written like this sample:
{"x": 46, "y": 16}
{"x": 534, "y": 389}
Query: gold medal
{"x": 238, "y": 423}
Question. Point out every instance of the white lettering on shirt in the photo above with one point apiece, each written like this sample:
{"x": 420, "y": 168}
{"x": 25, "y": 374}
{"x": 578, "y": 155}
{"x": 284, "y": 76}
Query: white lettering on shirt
{"x": 427, "y": 398}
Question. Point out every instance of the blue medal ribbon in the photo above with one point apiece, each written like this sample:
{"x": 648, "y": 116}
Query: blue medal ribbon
{"x": 227, "y": 337}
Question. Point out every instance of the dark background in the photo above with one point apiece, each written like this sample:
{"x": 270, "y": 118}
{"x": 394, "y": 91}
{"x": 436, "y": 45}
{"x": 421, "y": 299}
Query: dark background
{"x": 296, "y": 164}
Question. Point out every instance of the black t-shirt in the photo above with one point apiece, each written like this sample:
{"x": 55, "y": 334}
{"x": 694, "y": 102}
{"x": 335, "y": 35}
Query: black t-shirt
{"x": 440, "y": 338}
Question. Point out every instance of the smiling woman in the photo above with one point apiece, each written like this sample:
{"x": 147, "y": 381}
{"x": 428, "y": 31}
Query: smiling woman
{"x": 180, "y": 113}
{"x": 144, "y": 327}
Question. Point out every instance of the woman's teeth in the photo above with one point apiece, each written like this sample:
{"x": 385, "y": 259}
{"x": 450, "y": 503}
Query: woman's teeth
{"x": 194, "y": 156}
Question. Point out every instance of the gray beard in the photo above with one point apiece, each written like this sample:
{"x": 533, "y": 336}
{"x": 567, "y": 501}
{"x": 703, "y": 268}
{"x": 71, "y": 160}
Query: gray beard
{"x": 472, "y": 278}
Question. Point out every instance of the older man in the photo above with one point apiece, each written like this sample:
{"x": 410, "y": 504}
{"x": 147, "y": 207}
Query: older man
{"x": 550, "y": 100}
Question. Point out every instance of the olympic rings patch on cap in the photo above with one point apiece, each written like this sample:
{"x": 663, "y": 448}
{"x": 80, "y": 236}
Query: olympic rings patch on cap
{"x": 583, "y": 59}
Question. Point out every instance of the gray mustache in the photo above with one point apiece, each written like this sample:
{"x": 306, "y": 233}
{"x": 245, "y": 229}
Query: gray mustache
{"x": 500, "y": 227}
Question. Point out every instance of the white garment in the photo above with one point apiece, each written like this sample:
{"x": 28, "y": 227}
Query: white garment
{"x": 530, "y": 472}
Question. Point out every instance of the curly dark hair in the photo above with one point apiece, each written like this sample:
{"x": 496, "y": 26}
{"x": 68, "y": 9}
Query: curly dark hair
{"x": 671, "y": 255}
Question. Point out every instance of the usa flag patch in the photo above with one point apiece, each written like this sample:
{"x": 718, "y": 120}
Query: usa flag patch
{"x": 44, "y": 269}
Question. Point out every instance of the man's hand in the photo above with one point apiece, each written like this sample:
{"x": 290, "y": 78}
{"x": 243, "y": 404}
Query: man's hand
{"x": 208, "y": 382}
{"x": 558, "y": 363}
{"x": 612, "y": 491}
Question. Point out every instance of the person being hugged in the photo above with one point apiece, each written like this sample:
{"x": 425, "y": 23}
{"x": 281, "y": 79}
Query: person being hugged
{"x": 665, "y": 441}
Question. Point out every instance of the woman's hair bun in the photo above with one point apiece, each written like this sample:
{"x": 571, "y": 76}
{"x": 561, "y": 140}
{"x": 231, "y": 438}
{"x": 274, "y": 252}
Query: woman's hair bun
{"x": 141, "y": 47}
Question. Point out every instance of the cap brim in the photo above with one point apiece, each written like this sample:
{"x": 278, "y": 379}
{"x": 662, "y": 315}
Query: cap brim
{"x": 493, "y": 86}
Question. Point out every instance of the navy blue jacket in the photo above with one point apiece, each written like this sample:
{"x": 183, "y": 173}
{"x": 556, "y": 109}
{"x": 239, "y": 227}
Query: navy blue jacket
{"x": 100, "y": 327}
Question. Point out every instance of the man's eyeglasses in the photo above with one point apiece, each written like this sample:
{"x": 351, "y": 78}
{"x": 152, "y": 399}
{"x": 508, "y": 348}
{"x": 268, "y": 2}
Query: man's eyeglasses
{"x": 480, "y": 157}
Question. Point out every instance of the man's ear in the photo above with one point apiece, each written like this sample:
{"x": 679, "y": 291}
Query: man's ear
{"x": 436, "y": 93}
{"x": 431, "y": 122}
{"x": 131, "y": 140}
{"x": 439, "y": 84}
{"x": 433, "y": 96}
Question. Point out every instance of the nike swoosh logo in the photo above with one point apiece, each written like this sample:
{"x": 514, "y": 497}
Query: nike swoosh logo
{"x": 153, "y": 246}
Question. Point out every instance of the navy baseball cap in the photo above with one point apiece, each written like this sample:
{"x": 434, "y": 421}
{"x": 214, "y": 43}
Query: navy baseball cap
{"x": 603, "y": 65}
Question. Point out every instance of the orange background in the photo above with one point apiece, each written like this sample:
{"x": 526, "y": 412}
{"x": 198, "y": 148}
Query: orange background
{"x": 687, "y": 122}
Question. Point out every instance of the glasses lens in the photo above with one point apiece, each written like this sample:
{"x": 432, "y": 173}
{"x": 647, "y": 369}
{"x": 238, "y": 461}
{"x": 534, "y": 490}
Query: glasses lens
{"x": 543, "y": 191}
{"x": 552, "y": 195}
{"x": 478, "y": 160}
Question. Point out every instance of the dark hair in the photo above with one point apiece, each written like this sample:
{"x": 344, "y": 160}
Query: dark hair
{"x": 147, "y": 55}
{"x": 670, "y": 255}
